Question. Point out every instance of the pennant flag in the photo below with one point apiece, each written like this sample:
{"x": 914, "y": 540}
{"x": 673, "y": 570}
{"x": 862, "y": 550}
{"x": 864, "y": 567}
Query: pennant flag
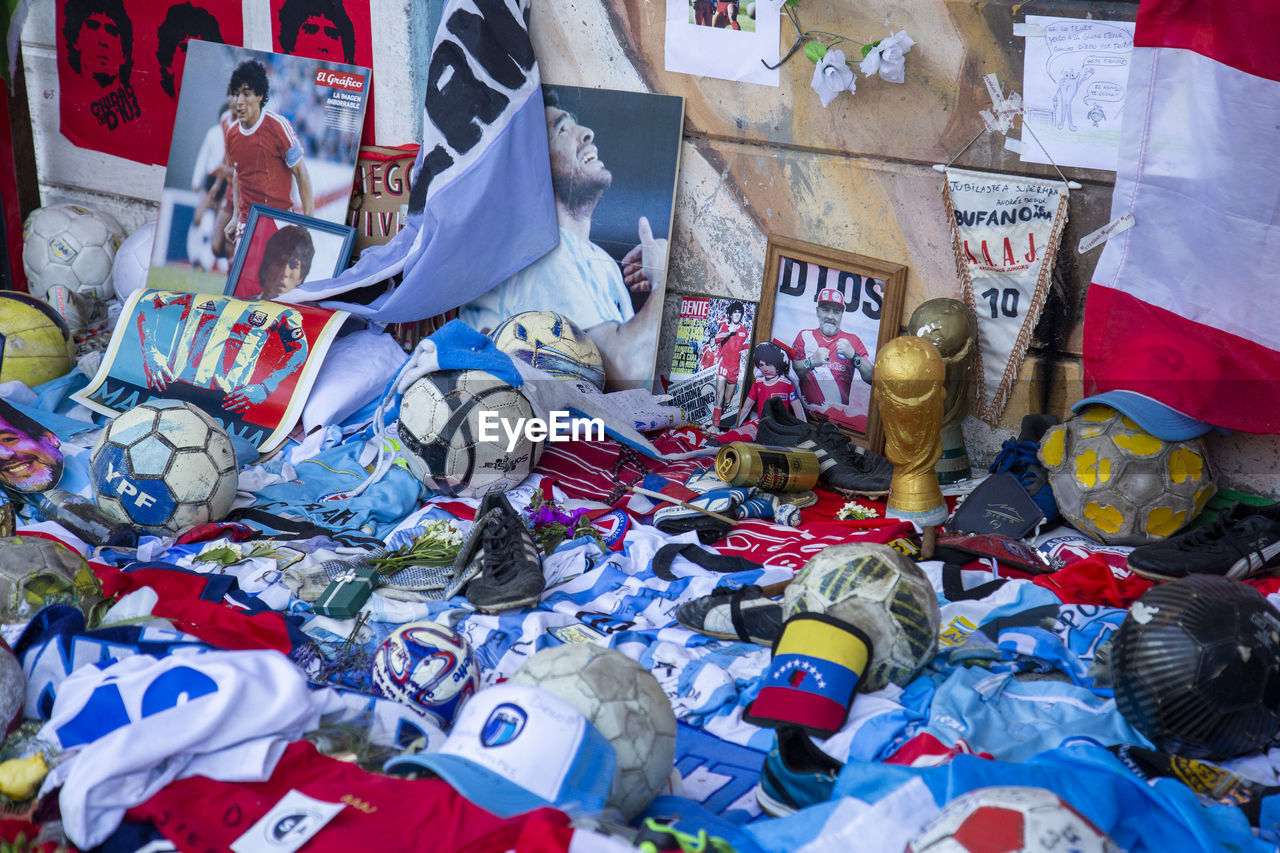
{"x": 480, "y": 206}
{"x": 1005, "y": 231}
{"x": 1182, "y": 306}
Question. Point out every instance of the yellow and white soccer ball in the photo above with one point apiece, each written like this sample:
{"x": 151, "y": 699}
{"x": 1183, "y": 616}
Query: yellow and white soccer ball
{"x": 1119, "y": 484}
{"x": 553, "y": 343}
{"x": 71, "y": 246}
{"x": 37, "y": 344}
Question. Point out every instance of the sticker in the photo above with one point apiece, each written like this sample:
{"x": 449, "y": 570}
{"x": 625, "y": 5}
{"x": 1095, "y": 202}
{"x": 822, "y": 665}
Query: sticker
{"x": 1029, "y": 30}
{"x": 290, "y": 823}
{"x": 1105, "y": 233}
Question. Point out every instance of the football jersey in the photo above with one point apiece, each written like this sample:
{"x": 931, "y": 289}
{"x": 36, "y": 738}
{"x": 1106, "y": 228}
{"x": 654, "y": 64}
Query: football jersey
{"x": 731, "y": 345}
{"x": 263, "y": 157}
{"x": 830, "y": 383}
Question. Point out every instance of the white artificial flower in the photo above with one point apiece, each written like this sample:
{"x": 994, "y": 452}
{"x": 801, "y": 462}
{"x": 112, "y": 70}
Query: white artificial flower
{"x": 832, "y": 76}
{"x": 887, "y": 57}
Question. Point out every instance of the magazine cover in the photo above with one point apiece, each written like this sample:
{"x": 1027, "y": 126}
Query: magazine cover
{"x": 249, "y": 365}
{"x": 253, "y": 128}
{"x": 710, "y": 369}
{"x": 614, "y": 161}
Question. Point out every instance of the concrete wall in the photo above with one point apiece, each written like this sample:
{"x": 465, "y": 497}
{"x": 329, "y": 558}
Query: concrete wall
{"x": 756, "y": 160}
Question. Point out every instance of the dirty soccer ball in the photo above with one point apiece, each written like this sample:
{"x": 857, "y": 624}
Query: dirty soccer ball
{"x": 1010, "y": 819}
{"x": 441, "y": 417}
{"x": 551, "y": 342}
{"x": 625, "y": 702}
{"x": 70, "y": 245}
{"x": 1121, "y": 485}
{"x": 879, "y": 591}
{"x": 133, "y": 261}
{"x": 428, "y": 667}
{"x": 1196, "y": 667}
{"x": 36, "y": 342}
{"x": 46, "y": 566}
{"x": 164, "y": 466}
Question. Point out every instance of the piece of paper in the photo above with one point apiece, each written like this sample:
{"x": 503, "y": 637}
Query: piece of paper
{"x": 1073, "y": 84}
{"x": 249, "y": 365}
{"x": 732, "y": 41}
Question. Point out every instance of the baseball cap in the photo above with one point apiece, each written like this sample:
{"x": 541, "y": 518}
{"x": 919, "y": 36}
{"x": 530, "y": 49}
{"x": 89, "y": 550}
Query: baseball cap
{"x": 515, "y": 748}
{"x": 830, "y": 294}
{"x": 1164, "y": 422}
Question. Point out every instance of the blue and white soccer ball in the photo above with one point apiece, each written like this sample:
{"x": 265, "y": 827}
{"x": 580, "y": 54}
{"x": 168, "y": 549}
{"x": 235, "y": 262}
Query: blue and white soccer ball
{"x": 72, "y": 246}
{"x": 428, "y": 667}
{"x": 164, "y": 466}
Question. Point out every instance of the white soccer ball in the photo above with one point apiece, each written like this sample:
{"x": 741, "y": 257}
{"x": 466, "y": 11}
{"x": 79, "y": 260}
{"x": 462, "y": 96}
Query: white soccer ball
{"x": 551, "y": 342}
{"x": 625, "y": 702}
{"x": 440, "y": 428}
{"x": 879, "y": 591}
{"x": 1012, "y": 818}
{"x": 133, "y": 261}
{"x": 164, "y": 466}
{"x": 70, "y": 245}
{"x": 428, "y": 667}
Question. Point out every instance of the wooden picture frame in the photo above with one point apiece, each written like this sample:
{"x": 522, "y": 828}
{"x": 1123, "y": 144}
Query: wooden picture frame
{"x": 268, "y": 244}
{"x": 795, "y": 273}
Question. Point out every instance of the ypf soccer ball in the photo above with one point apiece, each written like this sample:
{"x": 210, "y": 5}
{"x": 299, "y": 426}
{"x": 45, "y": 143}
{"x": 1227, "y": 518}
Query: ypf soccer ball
{"x": 441, "y": 420}
{"x": 1121, "y": 485}
{"x": 1196, "y": 667}
{"x": 625, "y": 702}
{"x": 70, "y": 245}
{"x": 551, "y": 342}
{"x": 1010, "y": 819}
{"x": 164, "y": 466}
{"x": 880, "y": 591}
{"x": 429, "y": 668}
{"x": 35, "y": 343}
{"x": 133, "y": 261}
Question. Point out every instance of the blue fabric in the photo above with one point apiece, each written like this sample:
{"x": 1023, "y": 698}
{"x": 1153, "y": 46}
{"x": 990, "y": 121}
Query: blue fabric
{"x": 1137, "y": 816}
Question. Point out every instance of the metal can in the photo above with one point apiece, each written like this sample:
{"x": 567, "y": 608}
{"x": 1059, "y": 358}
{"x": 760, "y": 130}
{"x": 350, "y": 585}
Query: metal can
{"x": 773, "y": 469}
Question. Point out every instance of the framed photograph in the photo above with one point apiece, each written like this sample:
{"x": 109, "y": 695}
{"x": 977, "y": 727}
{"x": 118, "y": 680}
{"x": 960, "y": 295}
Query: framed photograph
{"x": 832, "y": 310}
{"x": 710, "y": 360}
{"x": 615, "y": 157}
{"x": 280, "y": 250}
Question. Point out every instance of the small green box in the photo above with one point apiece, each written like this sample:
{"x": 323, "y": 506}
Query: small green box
{"x": 347, "y": 593}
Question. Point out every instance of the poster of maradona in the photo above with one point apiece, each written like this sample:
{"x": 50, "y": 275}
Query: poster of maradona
{"x": 249, "y": 365}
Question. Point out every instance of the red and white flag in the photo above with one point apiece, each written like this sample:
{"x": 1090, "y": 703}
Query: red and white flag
{"x": 1183, "y": 306}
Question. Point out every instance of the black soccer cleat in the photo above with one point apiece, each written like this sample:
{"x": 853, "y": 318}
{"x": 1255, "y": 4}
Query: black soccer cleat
{"x": 1242, "y": 542}
{"x": 843, "y": 467}
{"x": 501, "y": 558}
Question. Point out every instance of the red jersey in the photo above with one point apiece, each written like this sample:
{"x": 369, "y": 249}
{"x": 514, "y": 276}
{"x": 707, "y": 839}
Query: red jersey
{"x": 831, "y": 383}
{"x": 263, "y": 157}
{"x": 732, "y": 343}
{"x": 763, "y": 391}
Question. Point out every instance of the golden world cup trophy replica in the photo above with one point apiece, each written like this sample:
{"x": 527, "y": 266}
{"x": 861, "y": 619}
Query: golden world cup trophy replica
{"x": 950, "y": 326}
{"x": 908, "y": 388}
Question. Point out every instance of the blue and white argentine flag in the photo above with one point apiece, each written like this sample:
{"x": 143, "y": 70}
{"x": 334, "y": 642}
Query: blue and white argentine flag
{"x": 480, "y": 203}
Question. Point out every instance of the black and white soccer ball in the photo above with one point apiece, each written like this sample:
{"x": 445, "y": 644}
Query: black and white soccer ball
{"x": 625, "y": 702}
{"x": 553, "y": 343}
{"x": 1196, "y": 667}
{"x": 441, "y": 419}
{"x": 882, "y": 593}
{"x": 164, "y": 466}
{"x": 1010, "y": 819}
{"x": 72, "y": 246}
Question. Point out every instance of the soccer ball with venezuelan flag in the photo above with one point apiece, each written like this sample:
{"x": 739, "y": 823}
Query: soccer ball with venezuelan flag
{"x": 1121, "y": 485}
